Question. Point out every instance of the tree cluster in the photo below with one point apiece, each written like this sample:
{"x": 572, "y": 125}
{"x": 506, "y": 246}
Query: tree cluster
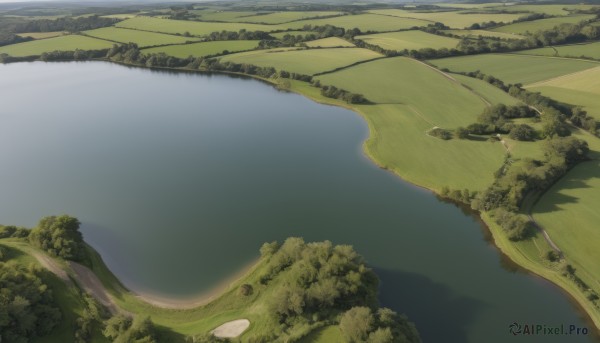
{"x": 363, "y": 325}
{"x": 65, "y": 24}
{"x": 240, "y": 35}
{"x": 498, "y": 119}
{"x": 7, "y": 38}
{"x": 122, "y": 329}
{"x": 60, "y": 237}
{"x": 27, "y": 308}
{"x": 11, "y": 231}
{"x": 337, "y": 93}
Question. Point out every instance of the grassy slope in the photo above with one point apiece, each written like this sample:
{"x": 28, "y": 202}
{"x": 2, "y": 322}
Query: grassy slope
{"x": 141, "y": 38}
{"x": 455, "y": 20}
{"x": 515, "y": 68}
{"x": 410, "y": 40}
{"x": 328, "y": 334}
{"x": 365, "y": 22}
{"x": 284, "y": 17}
{"x": 590, "y": 50}
{"x": 483, "y": 33}
{"x": 65, "y": 43}
{"x": 181, "y": 26}
{"x": 331, "y": 42}
{"x": 541, "y": 24}
{"x": 582, "y": 89}
{"x": 67, "y": 297}
{"x": 310, "y": 61}
{"x": 204, "y": 49}
{"x": 41, "y": 35}
{"x": 404, "y": 113}
{"x": 490, "y": 93}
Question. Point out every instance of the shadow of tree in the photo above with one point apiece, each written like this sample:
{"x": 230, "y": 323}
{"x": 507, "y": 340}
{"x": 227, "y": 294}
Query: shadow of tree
{"x": 440, "y": 314}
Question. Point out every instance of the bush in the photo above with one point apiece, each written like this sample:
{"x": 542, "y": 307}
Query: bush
{"x": 246, "y": 289}
{"x": 440, "y": 133}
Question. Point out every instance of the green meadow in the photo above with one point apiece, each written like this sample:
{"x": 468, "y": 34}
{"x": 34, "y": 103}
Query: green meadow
{"x": 285, "y": 17}
{"x": 541, "y": 24}
{"x": 182, "y": 26}
{"x": 42, "y": 35}
{"x": 364, "y": 22}
{"x": 64, "y": 43}
{"x": 216, "y": 15}
{"x": 512, "y": 68}
{"x": 488, "y": 92}
{"x": 141, "y": 38}
{"x": 452, "y": 19}
{"x": 483, "y": 33}
{"x": 587, "y": 50}
{"x": 303, "y": 61}
{"x": 204, "y": 48}
{"x": 330, "y": 42}
{"x": 409, "y": 40}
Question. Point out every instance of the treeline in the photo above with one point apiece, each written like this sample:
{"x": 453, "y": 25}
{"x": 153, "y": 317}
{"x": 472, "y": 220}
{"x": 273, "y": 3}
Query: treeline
{"x": 317, "y": 32}
{"x": 240, "y": 35}
{"x": 65, "y": 24}
{"x": 317, "y": 281}
{"x": 10, "y": 38}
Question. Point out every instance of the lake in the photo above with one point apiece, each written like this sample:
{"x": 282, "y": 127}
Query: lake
{"x": 179, "y": 178}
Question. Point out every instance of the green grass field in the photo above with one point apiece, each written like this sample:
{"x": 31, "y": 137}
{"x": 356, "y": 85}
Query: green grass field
{"x": 455, "y": 20}
{"x": 589, "y": 50}
{"x": 141, "y": 38}
{"x": 284, "y": 17}
{"x": 328, "y": 334}
{"x": 330, "y": 42}
{"x": 410, "y": 40}
{"x": 365, "y": 22}
{"x": 204, "y": 48}
{"x": 64, "y": 43}
{"x": 512, "y": 68}
{"x": 403, "y": 114}
{"x": 182, "y": 26}
{"x": 581, "y": 89}
{"x": 483, "y": 33}
{"x": 303, "y": 61}
{"x": 216, "y": 15}
{"x": 541, "y": 24}
{"x": 490, "y": 93}
{"x": 569, "y": 213}
{"x": 42, "y": 35}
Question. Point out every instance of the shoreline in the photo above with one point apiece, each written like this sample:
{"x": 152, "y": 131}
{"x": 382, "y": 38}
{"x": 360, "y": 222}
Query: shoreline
{"x": 500, "y": 242}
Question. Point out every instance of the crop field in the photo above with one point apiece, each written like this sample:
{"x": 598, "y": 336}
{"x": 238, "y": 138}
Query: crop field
{"x": 304, "y": 61}
{"x": 64, "y": 43}
{"x": 483, "y": 33}
{"x": 569, "y": 212}
{"x": 212, "y": 15}
{"x": 121, "y": 16}
{"x": 182, "y": 26}
{"x": 141, "y": 38}
{"x": 410, "y": 40}
{"x": 512, "y": 68}
{"x": 589, "y": 50}
{"x": 364, "y": 22}
{"x": 541, "y": 24}
{"x": 204, "y": 48}
{"x": 279, "y": 35}
{"x": 42, "y": 35}
{"x": 490, "y": 93}
{"x": 581, "y": 89}
{"x": 330, "y": 42}
{"x": 455, "y": 20}
{"x": 284, "y": 17}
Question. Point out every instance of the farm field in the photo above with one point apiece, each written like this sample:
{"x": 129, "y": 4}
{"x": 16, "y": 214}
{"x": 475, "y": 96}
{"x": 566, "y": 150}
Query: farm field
{"x": 512, "y": 68}
{"x": 490, "y": 93}
{"x": 65, "y": 43}
{"x": 365, "y": 22}
{"x": 541, "y": 24}
{"x": 303, "y": 61}
{"x": 589, "y": 50}
{"x": 581, "y": 89}
{"x": 483, "y": 33}
{"x": 42, "y": 35}
{"x": 204, "y": 48}
{"x": 455, "y": 20}
{"x": 214, "y": 15}
{"x": 141, "y": 38}
{"x": 284, "y": 17}
{"x": 330, "y": 42}
{"x": 409, "y": 40}
{"x": 569, "y": 212}
{"x": 181, "y": 26}
{"x": 403, "y": 113}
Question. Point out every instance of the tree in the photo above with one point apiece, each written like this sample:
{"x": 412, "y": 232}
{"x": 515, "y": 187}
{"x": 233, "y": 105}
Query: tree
{"x": 522, "y": 132}
{"x": 356, "y": 324}
{"x": 462, "y": 133}
{"x": 60, "y": 237}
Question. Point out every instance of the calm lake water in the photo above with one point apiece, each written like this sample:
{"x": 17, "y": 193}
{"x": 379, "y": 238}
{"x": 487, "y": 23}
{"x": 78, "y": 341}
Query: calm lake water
{"x": 179, "y": 178}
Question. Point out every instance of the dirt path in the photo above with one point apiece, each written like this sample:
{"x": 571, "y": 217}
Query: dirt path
{"x": 51, "y": 265}
{"x": 90, "y": 282}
